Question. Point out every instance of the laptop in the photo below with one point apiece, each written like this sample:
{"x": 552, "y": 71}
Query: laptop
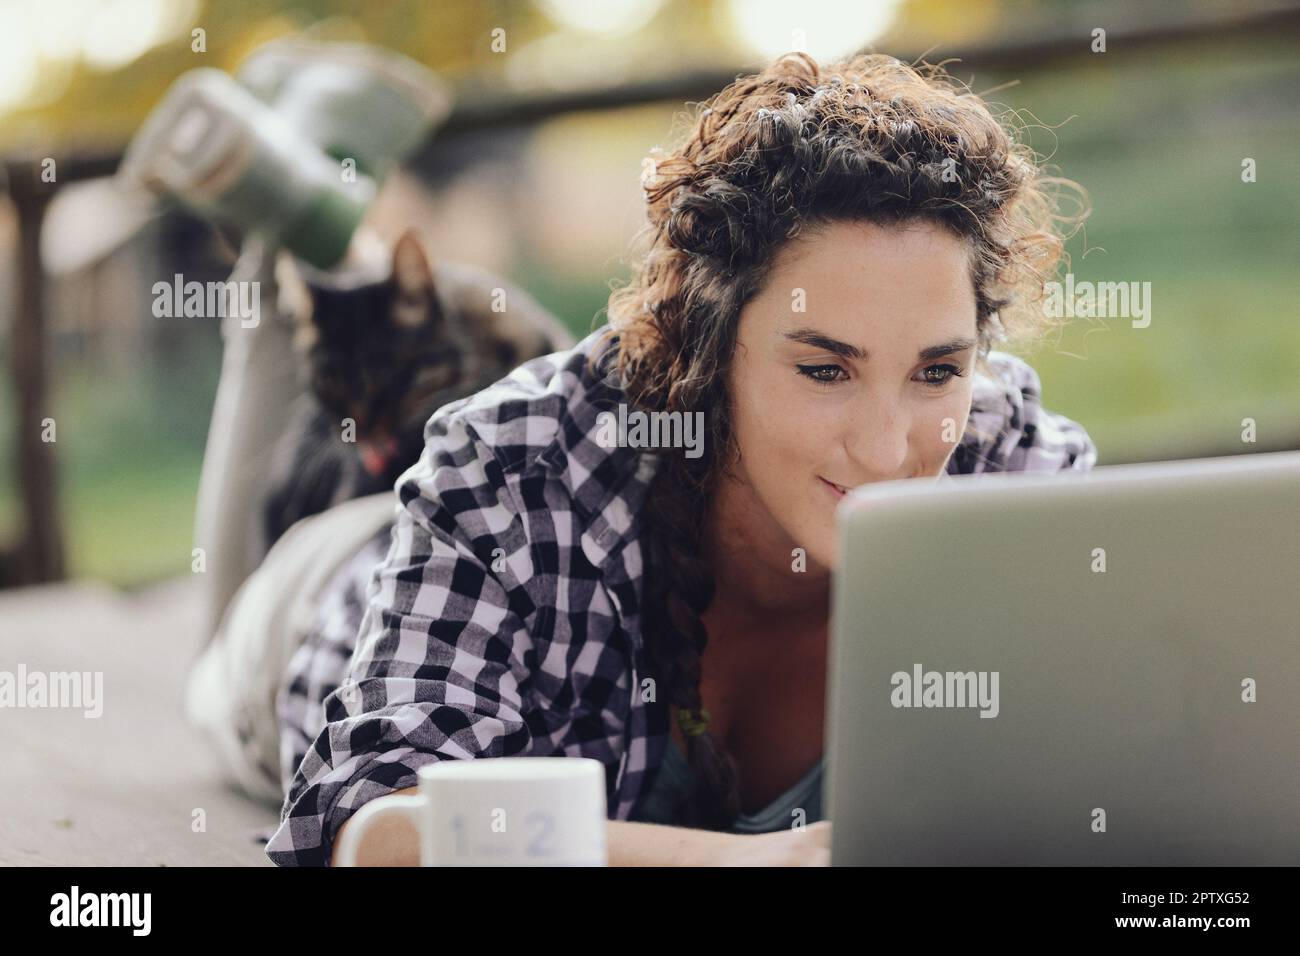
{"x": 1069, "y": 669}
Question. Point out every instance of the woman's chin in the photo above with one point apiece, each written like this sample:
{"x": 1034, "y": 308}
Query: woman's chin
{"x": 819, "y": 557}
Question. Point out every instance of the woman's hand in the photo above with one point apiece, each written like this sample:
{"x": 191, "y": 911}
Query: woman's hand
{"x": 650, "y": 844}
{"x": 390, "y": 842}
{"x": 808, "y": 846}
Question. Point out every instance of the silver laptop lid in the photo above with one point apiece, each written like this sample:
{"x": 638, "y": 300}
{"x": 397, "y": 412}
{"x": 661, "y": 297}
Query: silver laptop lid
{"x": 1069, "y": 669}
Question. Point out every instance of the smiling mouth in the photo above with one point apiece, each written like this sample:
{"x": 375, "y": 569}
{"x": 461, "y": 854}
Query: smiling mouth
{"x": 838, "y": 490}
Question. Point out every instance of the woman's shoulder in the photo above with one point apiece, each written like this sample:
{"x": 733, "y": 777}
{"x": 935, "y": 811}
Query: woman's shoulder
{"x": 522, "y": 415}
{"x": 1010, "y": 429}
{"x": 542, "y": 423}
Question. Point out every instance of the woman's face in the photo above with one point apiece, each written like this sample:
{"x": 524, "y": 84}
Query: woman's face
{"x": 853, "y": 365}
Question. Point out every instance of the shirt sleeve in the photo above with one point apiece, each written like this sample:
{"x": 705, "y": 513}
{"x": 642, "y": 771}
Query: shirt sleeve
{"x": 1010, "y": 430}
{"x": 440, "y": 656}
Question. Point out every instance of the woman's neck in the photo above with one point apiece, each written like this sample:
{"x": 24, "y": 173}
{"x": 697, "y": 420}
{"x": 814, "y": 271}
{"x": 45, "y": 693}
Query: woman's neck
{"x": 753, "y": 562}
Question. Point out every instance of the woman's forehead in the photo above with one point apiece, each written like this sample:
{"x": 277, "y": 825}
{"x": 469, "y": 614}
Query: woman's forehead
{"x": 860, "y": 285}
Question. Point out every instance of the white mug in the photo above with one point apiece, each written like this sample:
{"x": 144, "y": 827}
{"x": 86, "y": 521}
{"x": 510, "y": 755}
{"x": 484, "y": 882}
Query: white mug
{"x": 498, "y": 811}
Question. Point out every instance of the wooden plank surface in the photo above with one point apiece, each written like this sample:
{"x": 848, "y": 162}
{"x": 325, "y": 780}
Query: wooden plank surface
{"x": 123, "y": 788}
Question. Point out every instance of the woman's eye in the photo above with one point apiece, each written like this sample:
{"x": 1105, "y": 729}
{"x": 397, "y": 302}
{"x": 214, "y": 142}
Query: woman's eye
{"x": 948, "y": 372}
{"x": 822, "y": 374}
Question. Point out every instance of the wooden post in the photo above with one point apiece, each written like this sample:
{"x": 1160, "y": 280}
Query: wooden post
{"x": 40, "y": 554}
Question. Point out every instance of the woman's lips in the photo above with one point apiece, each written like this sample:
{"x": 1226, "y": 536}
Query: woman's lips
{"x": 837, "y": 490}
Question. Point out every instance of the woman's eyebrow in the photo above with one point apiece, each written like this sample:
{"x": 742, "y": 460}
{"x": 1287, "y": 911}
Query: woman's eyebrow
{"x": 945, "y": 348}
{"x": 807, "y": 336}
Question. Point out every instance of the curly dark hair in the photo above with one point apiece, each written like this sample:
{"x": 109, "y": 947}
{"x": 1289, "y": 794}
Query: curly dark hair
{"x": 868, "y": 138}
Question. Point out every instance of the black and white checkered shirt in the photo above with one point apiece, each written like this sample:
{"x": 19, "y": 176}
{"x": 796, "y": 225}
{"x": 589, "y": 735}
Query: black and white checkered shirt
{"x": 499, "y": 614}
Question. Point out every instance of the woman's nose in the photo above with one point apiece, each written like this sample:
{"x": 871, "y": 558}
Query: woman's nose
{"x": 877, "y": 440}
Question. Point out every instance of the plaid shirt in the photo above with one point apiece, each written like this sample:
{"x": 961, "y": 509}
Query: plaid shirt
{"x": 499, "y": 614}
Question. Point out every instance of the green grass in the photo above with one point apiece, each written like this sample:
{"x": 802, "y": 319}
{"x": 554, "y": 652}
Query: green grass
{"x": 127, "y": 522}
{"x": 1158, "y": 143}
{"x": 135, "y": 523}
{"x": 128, "y": 455}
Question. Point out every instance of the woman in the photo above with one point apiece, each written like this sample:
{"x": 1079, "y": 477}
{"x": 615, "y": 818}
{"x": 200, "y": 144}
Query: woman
{"x": 832, "y": 253}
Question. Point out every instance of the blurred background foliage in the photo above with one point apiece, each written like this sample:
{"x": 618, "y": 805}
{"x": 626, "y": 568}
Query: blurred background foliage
{"x": 1156, "y": 134}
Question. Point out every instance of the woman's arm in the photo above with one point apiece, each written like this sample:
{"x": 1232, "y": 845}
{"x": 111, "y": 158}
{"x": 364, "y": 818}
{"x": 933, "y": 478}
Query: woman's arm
{"x": 652, "y": 844}
{"x": 440, "y": 625}
{"x": 390, "y": 841}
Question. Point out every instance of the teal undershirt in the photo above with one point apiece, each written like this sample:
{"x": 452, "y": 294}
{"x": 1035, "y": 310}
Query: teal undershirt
{"x": 673, "y": 781}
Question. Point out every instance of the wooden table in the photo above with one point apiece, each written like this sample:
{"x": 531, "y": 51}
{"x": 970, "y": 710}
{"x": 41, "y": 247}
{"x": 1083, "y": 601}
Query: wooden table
{"x": 121, "y": 789}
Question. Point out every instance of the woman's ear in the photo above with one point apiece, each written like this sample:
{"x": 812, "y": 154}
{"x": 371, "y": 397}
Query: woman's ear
{"x": 410, "y": 265}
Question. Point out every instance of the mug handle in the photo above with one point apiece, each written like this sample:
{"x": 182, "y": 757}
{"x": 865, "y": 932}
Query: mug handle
{"x": 406, "y": 806}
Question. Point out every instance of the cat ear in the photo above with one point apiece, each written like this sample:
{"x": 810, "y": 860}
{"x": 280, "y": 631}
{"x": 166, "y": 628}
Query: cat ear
{"x": 410, "y": 266}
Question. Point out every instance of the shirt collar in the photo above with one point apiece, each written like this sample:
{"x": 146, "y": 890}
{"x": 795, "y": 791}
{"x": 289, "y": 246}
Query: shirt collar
{"x": 607, "y": 485}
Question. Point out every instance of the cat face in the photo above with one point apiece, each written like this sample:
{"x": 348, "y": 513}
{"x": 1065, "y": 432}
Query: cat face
{"x": 380, "y": 353}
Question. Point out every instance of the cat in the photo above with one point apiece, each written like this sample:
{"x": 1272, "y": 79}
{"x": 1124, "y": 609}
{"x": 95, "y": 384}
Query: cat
{"x": 385, "y": 354}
